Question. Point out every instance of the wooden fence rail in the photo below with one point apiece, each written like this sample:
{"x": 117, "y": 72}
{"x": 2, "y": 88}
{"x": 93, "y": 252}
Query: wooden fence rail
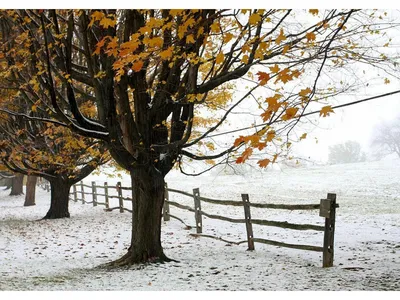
{"x": 327, "y": 209}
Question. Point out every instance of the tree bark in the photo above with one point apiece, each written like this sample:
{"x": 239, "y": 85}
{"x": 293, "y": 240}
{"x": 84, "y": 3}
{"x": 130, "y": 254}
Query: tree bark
{"x": 148, "y": 200}
{"x": 59, "y": 199}
{"x": 30, "y": 190}
{"x": 17, "y": 185}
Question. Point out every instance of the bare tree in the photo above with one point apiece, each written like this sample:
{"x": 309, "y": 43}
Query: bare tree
{"x": 386, "y": 138}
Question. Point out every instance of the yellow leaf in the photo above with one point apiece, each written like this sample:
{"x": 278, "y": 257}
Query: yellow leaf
{"x": 270, "y": 135}
{"x": 166, "y": 54}
{"x": 190, "y": 39}
{"x": 273, "y": 103}
{"x": 281, "y": 37}
{"x": 264, "y": 163}
{"x": 305, "y": 92}
{"x": 310, "y": 36}
{"x": 285, "y": 76}
{"x": 254, "y": 19}
{"x": 387, "y": 81}
{"x": 290, "y": 113}
{"x": 313, "y": 11}
{"x": 95, "y": 16}
{"x": 245, "y": 59}
{"x": 325, "y": 111}
{"x": 227, "y": 37}
{"x": 107, "y": 22}
{"x": 285, "y": 49}
{"x": 215, "y": 27}
{"x": 274, "y": 69}
{"x": 220, "y": 58}
{"x": 303, "y": 136}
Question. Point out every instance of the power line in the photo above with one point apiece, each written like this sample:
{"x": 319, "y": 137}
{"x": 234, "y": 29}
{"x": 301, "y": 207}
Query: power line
{"x": 310, "y": 113}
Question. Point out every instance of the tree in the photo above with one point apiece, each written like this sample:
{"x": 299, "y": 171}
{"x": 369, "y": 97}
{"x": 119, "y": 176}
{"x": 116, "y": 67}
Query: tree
{"x": 30, "y": 190}
{"x": 35, "y": 149}
{"x": 348, "y": 152}
{"x": 163, "y": 82}
{"x": 387, "y": 137}
{"x": 17, "y": 185}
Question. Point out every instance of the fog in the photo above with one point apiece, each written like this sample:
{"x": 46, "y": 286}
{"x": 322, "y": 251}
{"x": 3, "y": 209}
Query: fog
{"x": 355, "y": 122}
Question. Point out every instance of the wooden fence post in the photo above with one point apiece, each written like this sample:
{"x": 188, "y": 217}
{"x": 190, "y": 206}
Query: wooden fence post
{"x": 121, "y": 201}
{"x": 166, "y": 204}
{"x": 106, "y": 195}
{"x": 197, "y": 211}
{"x": 329, "y": 234}
{"x": 94, "y": 193}
{"x": 75, "y": 193}
{"x": 82, "y": 193}
{"x": 249, "y": 226}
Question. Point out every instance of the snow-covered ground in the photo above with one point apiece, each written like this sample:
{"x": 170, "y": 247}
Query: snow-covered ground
{"x": 64, "y": 254}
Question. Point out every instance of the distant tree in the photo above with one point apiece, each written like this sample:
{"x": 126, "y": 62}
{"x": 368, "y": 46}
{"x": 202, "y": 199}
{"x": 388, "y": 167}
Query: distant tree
{"x": 348, "y": 152}
{"x": 386, "y": 138}
{"x": 17, "y": 185}
{"x": 30, "y": 190}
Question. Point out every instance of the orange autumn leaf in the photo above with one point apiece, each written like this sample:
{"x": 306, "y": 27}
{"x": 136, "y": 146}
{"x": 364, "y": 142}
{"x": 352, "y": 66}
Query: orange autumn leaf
{"x": 326, "y": 110}
{"x": 220, "y": 58}
{"x": 254, "y": 19}
{"x": 245, "y": 155}
{"x": 108, "y": 22}
{"x": 281, "y": 37}
{"x": 310, "y": 36}
{"x": 274, "y": 69}
{"x": 166, "y": 54}
{"x": 238, "y": 141}
{"x": 264, "y": 163}
{"x": 290, "y": 113}
{"x": 263, "y": 77}
{"x": 137, "y": 66}
{"x": 305, "y": 92}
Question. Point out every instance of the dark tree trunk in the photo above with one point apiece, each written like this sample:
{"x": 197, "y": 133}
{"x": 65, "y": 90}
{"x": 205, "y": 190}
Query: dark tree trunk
{"x": 59, "y": 199}
{"x": 148, "y": 199}
{"x": 30, "y": 191}
{"x": 17, "y": 185}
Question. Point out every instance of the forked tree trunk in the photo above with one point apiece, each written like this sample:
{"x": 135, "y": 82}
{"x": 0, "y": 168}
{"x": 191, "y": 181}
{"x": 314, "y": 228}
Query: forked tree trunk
{"x": 148, "y": 199}
{"x": 59, "y": 199}
{"x": 17, "y": 185}
{"x": 30, "y": 191}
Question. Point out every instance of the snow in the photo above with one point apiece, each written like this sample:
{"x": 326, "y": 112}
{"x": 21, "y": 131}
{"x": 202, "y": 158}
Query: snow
{"x": 65, "y": 254}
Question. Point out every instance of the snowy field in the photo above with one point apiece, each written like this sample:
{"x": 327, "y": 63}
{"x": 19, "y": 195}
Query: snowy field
{"x": 65, "y": 254}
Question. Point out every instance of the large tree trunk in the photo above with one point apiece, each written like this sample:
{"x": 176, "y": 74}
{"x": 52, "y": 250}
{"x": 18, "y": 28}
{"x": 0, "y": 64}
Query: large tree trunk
{"x": 30, "y": 191}
{"x": 148, "y": 199}
{"x": 59, "y": 199}
{"x": 17, "y": 185}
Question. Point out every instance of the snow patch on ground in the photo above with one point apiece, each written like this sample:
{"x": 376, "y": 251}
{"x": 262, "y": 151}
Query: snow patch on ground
{"x": 65, "y": 254}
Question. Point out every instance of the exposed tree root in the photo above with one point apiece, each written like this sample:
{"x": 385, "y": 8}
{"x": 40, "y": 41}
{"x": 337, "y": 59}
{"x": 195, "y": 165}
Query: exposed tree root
{"x": 50, "y": 216}
{"x": 128, "y": 260}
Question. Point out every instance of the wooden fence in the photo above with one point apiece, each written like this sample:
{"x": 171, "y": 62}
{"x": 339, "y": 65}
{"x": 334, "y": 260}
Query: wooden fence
{"x": 327, "y": 209}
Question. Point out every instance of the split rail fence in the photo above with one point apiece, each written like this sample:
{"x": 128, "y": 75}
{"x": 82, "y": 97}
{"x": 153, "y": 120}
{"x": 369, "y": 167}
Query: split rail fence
{"x": 327, "y": 209}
